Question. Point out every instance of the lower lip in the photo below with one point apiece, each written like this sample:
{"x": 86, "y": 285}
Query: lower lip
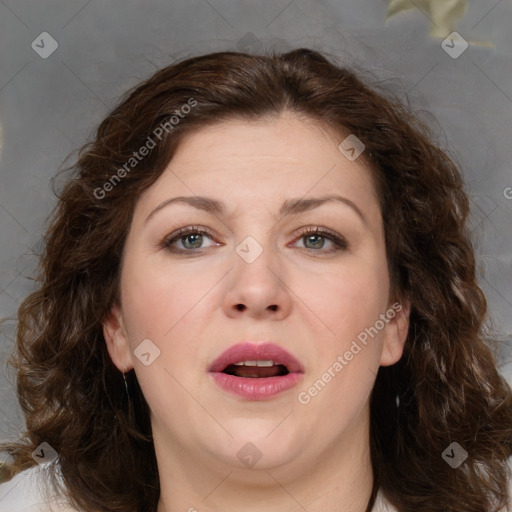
{"x": 256, "y": 389}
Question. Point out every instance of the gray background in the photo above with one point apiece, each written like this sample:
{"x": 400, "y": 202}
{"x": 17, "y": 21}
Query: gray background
{"x": 50, "y": 106}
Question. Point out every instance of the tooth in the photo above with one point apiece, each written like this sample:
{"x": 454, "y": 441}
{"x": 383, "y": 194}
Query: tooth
{"x": 266, "y": 363}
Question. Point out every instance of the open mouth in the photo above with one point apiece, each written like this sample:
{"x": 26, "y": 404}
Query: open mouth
{"x": 256, "y": 369}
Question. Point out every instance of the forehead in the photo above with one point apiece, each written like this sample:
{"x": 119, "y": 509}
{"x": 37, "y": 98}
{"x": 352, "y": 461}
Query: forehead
{"x": 286, "y": 137}
{"x": 249, "y": 163}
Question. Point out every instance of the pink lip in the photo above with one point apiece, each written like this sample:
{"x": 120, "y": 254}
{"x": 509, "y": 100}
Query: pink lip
{"x": 254, "y": 388}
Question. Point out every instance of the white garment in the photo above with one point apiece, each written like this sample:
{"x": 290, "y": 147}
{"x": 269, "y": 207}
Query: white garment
{"x": 24, "y": 493}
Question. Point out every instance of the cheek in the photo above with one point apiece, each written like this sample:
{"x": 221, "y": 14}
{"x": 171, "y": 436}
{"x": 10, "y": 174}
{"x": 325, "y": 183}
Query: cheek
{"x": 156, "y": 298}
{"x": 353, "y": 300}
{"x": 163, "y": 307}
{"x": 172, "y": 309}
{"x": 347, "y": 299}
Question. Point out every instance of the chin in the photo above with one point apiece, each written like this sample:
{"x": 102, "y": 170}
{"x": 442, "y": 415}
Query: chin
{"x": 259, "y": 444}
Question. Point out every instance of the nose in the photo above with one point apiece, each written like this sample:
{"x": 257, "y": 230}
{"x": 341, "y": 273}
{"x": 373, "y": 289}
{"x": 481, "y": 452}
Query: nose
{"x": 257, "y": 288}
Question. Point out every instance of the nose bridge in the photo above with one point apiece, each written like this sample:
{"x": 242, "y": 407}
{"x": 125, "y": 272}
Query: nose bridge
{"x": 257, "y": 283}
{"x": 256, "y": 230}
{"x": 256, "y": 258}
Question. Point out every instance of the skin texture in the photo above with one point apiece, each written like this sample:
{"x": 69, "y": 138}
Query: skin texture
{"x": 313, "y": 456}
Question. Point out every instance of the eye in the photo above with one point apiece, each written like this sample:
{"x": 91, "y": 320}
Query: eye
{"x": 315, "y": 237}
{"x": 191, "y": 238}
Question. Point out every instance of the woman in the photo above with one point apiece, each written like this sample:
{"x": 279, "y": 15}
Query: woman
{"x": 275, "y": 257}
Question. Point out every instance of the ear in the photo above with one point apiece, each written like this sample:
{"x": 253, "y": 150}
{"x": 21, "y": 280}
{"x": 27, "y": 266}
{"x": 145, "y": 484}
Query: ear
{"x": 395, "y": 334}
{"x": 117, "y": 341}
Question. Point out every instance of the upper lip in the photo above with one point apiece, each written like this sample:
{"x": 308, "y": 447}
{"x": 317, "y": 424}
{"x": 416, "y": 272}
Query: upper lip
{"x": 250, "y": 351}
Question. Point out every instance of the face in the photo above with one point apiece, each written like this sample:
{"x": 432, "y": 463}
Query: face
{"x": 254, "y": 274}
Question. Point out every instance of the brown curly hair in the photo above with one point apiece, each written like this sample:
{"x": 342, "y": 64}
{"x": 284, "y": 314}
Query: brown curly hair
{"x": 445, "y": 388}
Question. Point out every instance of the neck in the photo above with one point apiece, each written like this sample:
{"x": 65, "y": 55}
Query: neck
{"x": 340, "y": 477}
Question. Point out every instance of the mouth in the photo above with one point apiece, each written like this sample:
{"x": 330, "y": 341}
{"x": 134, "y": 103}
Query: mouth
{"x": 256, "y": 371}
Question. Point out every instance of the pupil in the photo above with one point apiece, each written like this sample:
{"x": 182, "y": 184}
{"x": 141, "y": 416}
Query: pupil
{"x": 196, "y": 236}
{"x": 312, "y": 237}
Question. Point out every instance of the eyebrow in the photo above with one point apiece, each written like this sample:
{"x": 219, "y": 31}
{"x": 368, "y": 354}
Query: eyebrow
{"x": 289, "y": 207}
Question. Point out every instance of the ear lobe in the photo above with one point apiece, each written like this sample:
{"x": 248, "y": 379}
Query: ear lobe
{"x": 395, "y": 335}
{"x": 116, "y": 339}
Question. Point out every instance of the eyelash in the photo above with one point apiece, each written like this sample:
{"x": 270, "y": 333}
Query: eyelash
{"x": 339, "y": 242}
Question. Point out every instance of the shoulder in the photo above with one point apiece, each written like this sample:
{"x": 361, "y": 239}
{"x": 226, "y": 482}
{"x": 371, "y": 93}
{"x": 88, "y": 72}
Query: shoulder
{"x": 383, "y": 505}
{"x": 28, "y": 492}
